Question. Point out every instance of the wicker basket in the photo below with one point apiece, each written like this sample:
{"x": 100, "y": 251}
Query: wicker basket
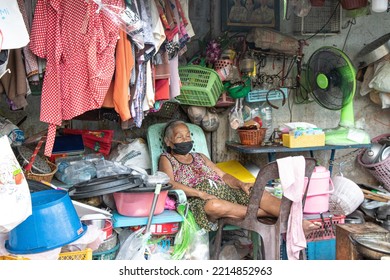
{"x": 380, "y": 170}
{"x": 251, "y": 137}
{"x": 47, "y": 177}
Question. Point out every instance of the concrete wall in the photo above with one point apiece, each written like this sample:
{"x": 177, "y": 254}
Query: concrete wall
{"x": 377, "y": 121}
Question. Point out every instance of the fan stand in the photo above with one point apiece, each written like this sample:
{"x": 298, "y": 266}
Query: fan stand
{"x": 346, "y": 133}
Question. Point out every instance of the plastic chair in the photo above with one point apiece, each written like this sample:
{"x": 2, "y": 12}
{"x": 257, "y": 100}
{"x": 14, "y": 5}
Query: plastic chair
{"x": 270, "y": 229}
{"x": 156, "y": 143}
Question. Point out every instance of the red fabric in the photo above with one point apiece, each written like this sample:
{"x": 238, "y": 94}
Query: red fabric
{"x": 97, "y": 140}
{"x": 79, "y": 46}
{"x": 161, "y": 89}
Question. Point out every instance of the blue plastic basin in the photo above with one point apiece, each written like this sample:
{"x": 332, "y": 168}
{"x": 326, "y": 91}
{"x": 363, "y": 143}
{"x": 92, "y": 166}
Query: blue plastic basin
{"x": 53, "y": 223}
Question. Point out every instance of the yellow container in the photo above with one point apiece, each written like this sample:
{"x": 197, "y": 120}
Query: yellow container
{"x": 303, "y": 140}
{"x": 236, "y": 169}
{"x": 83, "y": 255}
{"x": 66, "y": 256}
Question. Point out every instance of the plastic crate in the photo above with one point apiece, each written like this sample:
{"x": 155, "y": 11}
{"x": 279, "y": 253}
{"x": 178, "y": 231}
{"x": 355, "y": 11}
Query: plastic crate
{"x": 327, "y": 231}
{"x": 12, "y": 258}
{"x": 260, "y": 95}
{"x": 200, "y": 86}
{"x": 303, "y": 141}
{"x": 321, "y": 250}
{"x": 168, "y": 110}
{"x": 76, "y": 255}
{"x": 315, "y": 250}
{"x": 106, "y": 255}
{"x": 67, "y": 256}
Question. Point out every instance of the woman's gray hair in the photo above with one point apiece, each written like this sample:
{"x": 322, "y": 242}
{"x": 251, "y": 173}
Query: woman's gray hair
{"x": 168, "y": 130}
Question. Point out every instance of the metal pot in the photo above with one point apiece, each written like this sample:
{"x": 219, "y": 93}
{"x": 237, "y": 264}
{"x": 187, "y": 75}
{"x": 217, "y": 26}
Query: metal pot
{"x": 372, "y": 154}
{"x": 373, "y": 245}
{"x": 374, "y": 51}
{"x": 385, "y": 153}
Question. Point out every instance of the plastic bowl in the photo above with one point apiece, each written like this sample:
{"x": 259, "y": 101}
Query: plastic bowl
{"x": 53, "y": 223}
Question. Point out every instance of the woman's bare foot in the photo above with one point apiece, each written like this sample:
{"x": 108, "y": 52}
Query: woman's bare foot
{"x": 308, "y": 226}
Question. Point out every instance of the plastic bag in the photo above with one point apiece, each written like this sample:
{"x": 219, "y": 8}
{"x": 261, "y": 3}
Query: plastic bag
{"x": 380, "y": 80}
{"x": 108, "y": 168}
{"x": 127, "y": 19}
{"x": 301, "y": 7}
{"x": 14, "y": 32}
{"x": 14, "y": 134}
{"x": 134, "y": 153}
{"x": 199, "y": 247}
{"x": 15, "y": 198}
{"x": 134, "y": 246}
{"x": 210, "y": 122}
{"x": 236, "y": 118}
{"x": 75, "y": 172}
{"x": 191, "y": 242}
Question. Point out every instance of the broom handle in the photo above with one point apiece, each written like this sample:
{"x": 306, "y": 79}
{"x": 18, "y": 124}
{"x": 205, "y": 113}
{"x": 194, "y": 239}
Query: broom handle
{"x": 32, "y": 159}
{"x": 153, "y": 207}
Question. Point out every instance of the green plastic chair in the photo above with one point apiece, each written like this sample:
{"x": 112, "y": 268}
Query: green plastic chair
{"x": 156, "y": 147}
{"x": 156, "y": 143}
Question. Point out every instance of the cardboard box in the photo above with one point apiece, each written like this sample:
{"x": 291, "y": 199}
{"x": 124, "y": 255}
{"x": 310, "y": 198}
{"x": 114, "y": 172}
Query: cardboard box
{"x": 303, "y": 141}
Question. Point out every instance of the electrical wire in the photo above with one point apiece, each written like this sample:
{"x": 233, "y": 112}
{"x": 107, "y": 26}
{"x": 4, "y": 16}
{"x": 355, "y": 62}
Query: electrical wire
{"x": 333, "y": 13}
{"x": 350, "y": 23}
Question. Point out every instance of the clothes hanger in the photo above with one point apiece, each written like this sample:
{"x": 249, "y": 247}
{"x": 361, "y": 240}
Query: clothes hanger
{"x": 7, "y": 70}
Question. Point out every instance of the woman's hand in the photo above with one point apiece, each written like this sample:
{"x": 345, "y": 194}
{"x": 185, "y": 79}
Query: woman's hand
{"x": 246, "y": 187}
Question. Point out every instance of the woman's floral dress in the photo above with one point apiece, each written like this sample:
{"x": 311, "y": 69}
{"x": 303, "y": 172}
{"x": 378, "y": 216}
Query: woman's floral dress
{"x": 199, "y": 176}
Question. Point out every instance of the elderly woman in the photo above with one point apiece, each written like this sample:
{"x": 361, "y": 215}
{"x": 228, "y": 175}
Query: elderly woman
{"x": 212, "y": 193}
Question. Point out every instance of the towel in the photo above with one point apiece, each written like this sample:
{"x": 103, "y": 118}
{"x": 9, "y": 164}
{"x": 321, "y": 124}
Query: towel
{"x": 292, "y": 175}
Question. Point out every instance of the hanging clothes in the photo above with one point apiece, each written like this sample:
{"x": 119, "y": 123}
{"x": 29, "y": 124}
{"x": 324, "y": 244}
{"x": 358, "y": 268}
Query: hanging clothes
{"x": 14, "y": 84}
{"x": 30, "y": 60}
{"x": 135, "y": 26}
{"x": 185, "y": 7}
{"x": 118, "y": 94}
{"x": 138, "y": 99}
{"x": 157, "y": 26}
{"x": 79, "y": 46}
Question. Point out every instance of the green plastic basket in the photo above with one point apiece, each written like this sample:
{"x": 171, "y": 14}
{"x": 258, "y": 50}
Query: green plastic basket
{"x": 201, "y": 86}
{"x": 106, "y": 255}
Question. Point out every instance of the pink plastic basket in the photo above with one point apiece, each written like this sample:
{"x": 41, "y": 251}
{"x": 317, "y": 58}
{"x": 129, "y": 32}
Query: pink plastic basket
{"x": 327, "y": 230}
{"x": 138, "y": 204}
{"x": 380, "y": 170}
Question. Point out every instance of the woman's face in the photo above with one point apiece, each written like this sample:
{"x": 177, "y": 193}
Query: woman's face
{"x": 180, "y": 133}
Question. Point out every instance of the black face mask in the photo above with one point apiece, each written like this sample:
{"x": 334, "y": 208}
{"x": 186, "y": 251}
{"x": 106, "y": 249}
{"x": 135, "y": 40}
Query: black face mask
{"x": 183, "y": 148}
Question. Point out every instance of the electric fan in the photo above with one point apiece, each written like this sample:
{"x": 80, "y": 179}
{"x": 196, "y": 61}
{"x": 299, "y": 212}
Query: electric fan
{"x": 331, "y": 78}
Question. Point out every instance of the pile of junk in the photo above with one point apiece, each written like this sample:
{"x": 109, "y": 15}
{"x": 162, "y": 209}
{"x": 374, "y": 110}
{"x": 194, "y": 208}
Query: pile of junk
{"x": 76, "y": 223}
{"x": 375, "y": 208}
{"x": 47, "y": 220}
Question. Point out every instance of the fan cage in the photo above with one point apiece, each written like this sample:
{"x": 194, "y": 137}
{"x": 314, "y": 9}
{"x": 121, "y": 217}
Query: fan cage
{"x": 340, "y": 74}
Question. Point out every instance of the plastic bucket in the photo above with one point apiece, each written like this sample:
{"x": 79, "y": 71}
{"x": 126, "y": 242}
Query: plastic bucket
{"x": 53, "y": 223}
{"x": 320, "y": 187}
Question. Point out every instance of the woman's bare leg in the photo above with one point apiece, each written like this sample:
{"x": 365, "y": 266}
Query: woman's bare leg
{"x": 270, "y": 205}
{"x": 217, "y": 208}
